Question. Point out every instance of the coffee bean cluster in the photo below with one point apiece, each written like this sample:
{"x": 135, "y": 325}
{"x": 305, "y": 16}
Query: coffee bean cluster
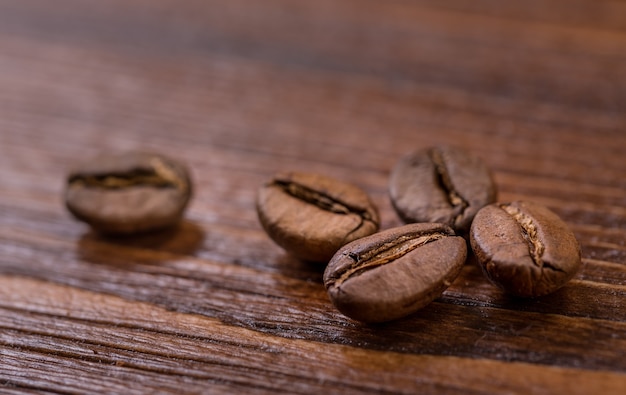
{"x": 444, "y": 195}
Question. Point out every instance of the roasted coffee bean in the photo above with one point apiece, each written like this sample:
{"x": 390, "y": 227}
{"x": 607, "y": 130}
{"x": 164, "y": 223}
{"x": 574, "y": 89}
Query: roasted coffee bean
{"x": 311, "y": 216}
{"x": 129, "y": 192}
{"x": 394, "y": 273}
{"x": 524, "y": 248}
{"x": 441, "y": 184}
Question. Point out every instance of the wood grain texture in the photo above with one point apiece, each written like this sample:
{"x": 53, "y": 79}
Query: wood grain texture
{"x": 241, "y": 90}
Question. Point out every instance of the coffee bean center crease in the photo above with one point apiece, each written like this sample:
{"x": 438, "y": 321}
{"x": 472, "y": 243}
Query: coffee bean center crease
{"x": 321, "y": 200}
{"x": 456, "y": 201}
{"x": 529, "y": 232}
{"x": 158, "y": 176}
{"x": 385, "y": 253}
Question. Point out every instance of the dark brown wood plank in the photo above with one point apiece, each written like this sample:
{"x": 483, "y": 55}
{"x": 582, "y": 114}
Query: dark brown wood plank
{"x": 60, "y": 330}
{"x": 384, "y": 30}
{"x": 243, "y": 296}
{"x": 241, "y": 90}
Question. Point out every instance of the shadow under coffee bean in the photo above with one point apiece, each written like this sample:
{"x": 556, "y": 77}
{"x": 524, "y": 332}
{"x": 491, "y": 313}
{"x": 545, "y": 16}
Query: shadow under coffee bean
{"x": 441, "y": 184}
{"x": 524, "y": 248}
{"x": 394, "y": 273}
{"x": 130, "y": 192}
{"x": 311, "y": 216}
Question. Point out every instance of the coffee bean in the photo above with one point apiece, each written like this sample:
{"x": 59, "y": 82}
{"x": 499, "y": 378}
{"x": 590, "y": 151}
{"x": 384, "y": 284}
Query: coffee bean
{"x": 394, "y": 273}
{"x": 312, "y": 216}
{"x": 128, "y": 192}
{"x": 524, "y": 248}
{"x": 441, "y": 184}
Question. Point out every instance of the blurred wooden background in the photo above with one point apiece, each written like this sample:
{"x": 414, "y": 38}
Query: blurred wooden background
{"x": 243, "y": 89}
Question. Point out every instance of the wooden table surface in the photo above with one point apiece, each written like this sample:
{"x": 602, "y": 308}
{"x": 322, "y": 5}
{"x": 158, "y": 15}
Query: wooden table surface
{"x": 243, "y": 89}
